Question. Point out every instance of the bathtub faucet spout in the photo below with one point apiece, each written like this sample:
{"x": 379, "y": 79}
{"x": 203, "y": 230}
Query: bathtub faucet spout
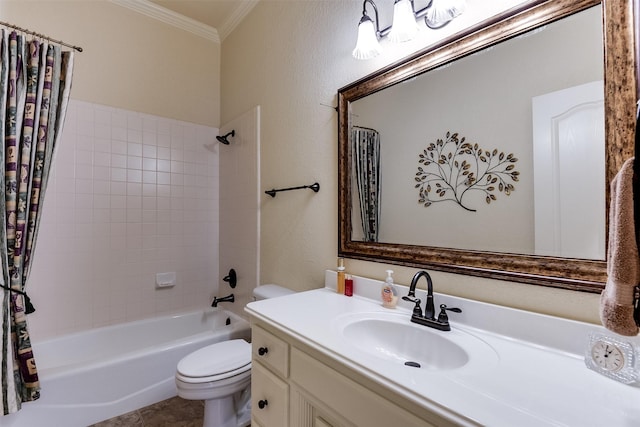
{"x": 228, "y": 298}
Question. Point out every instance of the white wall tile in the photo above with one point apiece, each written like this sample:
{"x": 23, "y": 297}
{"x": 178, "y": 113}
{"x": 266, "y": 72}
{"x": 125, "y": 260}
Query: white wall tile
{"x": 116, "y": 214}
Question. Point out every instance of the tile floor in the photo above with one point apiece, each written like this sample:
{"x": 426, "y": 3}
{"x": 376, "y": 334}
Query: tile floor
{"x": 174, "y": 412}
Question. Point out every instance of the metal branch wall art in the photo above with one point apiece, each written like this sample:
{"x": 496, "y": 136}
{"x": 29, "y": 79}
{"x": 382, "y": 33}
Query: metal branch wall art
{"x": 450, "y": 168}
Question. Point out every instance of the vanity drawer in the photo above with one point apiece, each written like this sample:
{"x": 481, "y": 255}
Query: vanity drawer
{"x": 269, "y": 398}
{"x": 270, "y": 350}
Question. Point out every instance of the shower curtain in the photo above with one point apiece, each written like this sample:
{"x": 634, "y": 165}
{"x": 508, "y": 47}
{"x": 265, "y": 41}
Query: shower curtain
{"x": 35, "y": 81}
{"x": 366, "y": 155}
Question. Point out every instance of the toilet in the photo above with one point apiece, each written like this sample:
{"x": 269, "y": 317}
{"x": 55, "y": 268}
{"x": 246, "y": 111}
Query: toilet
{"x": 220, "y": 374}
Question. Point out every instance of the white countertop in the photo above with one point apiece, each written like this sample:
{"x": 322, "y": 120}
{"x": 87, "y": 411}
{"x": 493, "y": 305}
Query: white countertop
{"x": 535, "y": 375}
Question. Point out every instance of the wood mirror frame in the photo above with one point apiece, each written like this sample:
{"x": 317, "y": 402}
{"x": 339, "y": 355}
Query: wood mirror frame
{"x": 620, "y": 110}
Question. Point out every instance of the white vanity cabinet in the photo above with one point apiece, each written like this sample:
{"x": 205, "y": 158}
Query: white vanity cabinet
{"x": 303, "y": 388}
{"x": 504, "y": 367}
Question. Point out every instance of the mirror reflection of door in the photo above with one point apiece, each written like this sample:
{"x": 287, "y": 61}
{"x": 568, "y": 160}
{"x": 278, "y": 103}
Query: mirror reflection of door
{"x": 569, "y": 168}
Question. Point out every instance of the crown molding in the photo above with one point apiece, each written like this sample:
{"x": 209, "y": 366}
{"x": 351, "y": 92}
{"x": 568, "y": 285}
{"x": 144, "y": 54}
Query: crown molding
{"x": 243, "y": 9}
{"x": 162, "y": 14}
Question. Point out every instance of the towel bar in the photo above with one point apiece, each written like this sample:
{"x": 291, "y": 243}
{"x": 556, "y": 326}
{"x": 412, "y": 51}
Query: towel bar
{"x": 315, "y": 187}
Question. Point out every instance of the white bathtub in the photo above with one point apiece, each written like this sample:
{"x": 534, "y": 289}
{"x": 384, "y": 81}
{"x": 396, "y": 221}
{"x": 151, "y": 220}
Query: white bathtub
{"x": 91, "y": 376}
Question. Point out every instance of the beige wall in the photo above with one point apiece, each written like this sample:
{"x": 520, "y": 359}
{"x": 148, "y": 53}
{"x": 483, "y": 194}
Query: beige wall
{"x": 294, "y": 78}
{"x": 291, "y": 58}
{"x": 130, "y": 61}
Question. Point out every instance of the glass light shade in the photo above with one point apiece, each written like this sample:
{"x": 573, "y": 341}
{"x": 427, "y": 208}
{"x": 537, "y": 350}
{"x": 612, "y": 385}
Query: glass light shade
{"x": 404, "y": 26}
{"x": 367, "y": 46}
{"x": 442, "y": 12}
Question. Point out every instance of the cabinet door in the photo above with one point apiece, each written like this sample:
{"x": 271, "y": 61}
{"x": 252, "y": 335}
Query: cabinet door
{"x": 306, "y": 411}
{"x": 269, "y": 397}
{"x": 347, "y": 399}
{"x": 320, "y": 422}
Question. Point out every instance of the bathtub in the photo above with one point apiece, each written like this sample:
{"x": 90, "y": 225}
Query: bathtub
{"x": 98, "y": 374}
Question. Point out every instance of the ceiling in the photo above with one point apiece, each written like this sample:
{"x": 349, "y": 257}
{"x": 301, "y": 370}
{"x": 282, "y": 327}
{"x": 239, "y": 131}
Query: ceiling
{"x": 222, "y": 15}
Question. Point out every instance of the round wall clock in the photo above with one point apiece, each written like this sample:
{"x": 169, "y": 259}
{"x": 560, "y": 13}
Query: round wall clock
{"x": 613, "y": 358}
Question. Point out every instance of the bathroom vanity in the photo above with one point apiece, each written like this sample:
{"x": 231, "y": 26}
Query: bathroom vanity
{"x": 308, "y": 392}
{"x": 323, "y": 359}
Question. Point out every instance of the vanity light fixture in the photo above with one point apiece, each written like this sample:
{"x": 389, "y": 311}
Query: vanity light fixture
{"x": 437, "y": 13}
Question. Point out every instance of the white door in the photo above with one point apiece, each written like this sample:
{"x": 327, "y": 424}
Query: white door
{"x": 569, "y": 172}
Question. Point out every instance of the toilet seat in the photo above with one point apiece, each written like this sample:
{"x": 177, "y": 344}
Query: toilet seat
{"x": 216, "y": 362}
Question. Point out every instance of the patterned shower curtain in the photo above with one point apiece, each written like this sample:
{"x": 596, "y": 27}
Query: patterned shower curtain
{"x": 35, "y": 81}
{"x": 366, "y": 155}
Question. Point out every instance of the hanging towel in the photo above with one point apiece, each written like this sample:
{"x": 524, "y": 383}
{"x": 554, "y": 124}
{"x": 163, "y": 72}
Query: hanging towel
{"x": 623, "y": 263}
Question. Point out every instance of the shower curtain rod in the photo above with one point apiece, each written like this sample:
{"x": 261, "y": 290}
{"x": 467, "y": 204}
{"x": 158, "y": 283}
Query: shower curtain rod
{"x": 42, "y": 36}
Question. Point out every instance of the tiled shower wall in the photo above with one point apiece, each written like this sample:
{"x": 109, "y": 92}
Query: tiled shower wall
{"x": 130, "y": 195}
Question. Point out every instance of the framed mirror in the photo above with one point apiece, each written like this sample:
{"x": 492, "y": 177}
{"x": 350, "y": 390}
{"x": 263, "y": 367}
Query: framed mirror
{"x": 445, "y": 108}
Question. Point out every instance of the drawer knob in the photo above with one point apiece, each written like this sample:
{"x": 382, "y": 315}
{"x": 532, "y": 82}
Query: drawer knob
{"x": 262, "y": 403}
{"x": 263, "y": 350}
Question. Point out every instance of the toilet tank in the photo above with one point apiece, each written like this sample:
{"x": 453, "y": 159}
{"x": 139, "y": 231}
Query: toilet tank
{"x": 270, "y": 291}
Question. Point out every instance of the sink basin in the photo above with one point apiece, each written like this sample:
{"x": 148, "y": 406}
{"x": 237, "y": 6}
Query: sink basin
{"x": 394, "y": 338}
{"x": 405, "y": 343}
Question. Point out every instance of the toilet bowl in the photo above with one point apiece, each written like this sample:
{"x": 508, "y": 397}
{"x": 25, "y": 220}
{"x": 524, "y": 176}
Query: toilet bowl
{"x": 220, "y": 374}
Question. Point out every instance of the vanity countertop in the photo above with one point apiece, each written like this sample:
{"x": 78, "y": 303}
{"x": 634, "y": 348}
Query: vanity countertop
{"x": 534, "y": 376}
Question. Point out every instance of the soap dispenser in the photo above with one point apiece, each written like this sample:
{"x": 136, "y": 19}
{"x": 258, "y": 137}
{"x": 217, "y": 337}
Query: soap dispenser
{"x": 389, "y": 292}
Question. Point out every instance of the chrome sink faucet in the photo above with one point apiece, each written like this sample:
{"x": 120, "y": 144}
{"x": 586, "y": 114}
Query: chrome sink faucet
{"x": 429, "y": 317}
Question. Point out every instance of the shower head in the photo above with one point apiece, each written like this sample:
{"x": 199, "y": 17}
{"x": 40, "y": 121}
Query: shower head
{"x": 223, "y": 138}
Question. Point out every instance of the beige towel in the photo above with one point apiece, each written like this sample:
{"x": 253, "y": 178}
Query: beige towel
{"x": 623, "y": 263}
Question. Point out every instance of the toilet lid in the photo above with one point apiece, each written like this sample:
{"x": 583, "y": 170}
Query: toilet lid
{"x": 216, "y": 359}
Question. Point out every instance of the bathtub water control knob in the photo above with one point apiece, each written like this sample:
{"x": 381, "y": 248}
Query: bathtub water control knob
{"x": 262, "y": 403}
{"x": 263, "y": 350}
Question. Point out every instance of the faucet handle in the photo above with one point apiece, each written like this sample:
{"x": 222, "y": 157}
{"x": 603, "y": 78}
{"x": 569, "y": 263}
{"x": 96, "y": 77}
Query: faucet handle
{"x": 417, "y": 310}
{"x": 442, "y": 317}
